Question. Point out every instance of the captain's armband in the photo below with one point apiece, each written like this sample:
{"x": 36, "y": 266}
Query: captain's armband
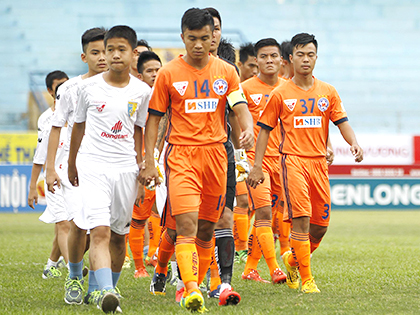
{"x": 236, "y": 97}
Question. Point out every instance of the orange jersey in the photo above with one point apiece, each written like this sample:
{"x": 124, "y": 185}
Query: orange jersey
{"x": 257, "y": 93}
{"x": 196, "y": 100}
{"x": 304, "y": 117}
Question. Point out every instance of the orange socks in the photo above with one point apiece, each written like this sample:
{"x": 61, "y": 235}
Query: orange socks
{"x": 205, "y": 249}
{"x": 254, "y": 252}
{"x": 136, "y": 240}
{"x": 301, "y": 249}
{"x": 155, "y": 232}
{"x": 166, "y": 249}
{"x": 266, "y": 241}
{"x": 187, "y": 259}
{"x": 214, "y": 274}
{"x": 284, "y": 236}
{"x": 240, "y": 228}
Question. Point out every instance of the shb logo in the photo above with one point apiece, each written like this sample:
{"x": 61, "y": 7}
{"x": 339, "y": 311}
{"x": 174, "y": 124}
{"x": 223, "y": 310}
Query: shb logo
{"x": 204, "y": 105}
{"x": 181, "y": 87}
{"x": 290, "y": 103}
{"x": 256, "y": 98}
{"x": 117, "y": 127}
{"x": 220, "y": 86}
{"x": 308, "y": 122}
{"x": 323, "y": 104}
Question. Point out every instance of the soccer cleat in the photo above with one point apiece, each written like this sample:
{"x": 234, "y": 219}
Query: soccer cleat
{"x": 278, "y": 276}
{"x": 254, "y": 275}
{"x": 229, "y": 297}
{"x": 151, "y": 261}
{"x": 241, "y": 256}
{"x": 61, "y": 263}
{"x": 169, "y": 273}
{"x": 310, "y": 287}
{"x": 193, "y": 302}
{"x": 51, "y": 272}
{"x": 92, "y": 297}
{"x": 141, "y": 273}
{"x": 178, "y": 294}
{"x": 292, "y": 279}
{"x": 74, "y": 291}
{"x": 158, "y": 284}
{"x": 215, "y": 293}
{"x": 127, "y": 263}
{"x": 108, "y": 301}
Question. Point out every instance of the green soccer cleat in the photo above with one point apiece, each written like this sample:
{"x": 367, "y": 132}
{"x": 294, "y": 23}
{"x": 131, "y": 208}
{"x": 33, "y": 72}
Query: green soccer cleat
{"x": 50, "y": 273}
{"x": 108, "y": 301}
{"x": 193, "y": 302}
{"x": 292, "y": 279}
{"x": 74, "y": 291}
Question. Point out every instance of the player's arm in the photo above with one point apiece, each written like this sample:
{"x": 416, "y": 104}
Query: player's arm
{"x": 138, "y": 143}
{"x": 256, "y": 176}
{"x": 240, "y": 107}
{"x": 348, "y": 135}
{"x": 33, "y": 194}
{"x": 148, "y": 171}
{"x": 52, "y": 177}
{"x": 163, "y": 127}
{"x": 76, "y": 139}
{"x": 330, "y": 152}
{"x": 236, "y": 129}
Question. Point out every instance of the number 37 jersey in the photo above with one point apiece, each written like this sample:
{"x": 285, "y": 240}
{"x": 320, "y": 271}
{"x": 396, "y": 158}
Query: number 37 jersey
{"x": 303, "y": 117}
{"x": 196, "y": 100}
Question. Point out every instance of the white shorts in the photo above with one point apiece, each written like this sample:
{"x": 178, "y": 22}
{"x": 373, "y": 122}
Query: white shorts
{"x": 108, "y": 194}
{"x": 55, "y": 211}
{"x": 161, "y": 192}
{"x": 72, "y": 195}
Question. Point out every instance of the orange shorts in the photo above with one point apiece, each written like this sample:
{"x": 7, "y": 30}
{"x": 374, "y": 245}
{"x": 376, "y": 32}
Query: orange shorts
{"x": 306, "y": 188}
{"x": 196, "y": 179}
{"x": 241, "y": 188}
{"x": 268, "y": 193}
{"x": 167, "y": 221}
{"x": 144, "y": 210}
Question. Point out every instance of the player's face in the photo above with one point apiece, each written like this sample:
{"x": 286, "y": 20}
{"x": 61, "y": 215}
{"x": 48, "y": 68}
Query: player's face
{"x": 137, "y": 51}
{"x": 197, "y": 42}
{"x": 149, "y": 74}
{"x": 268, "y": 60}
{"x": 304, "y": 59}
{"x": 95, "y": 56}
{"x": 217, "y": 35}
{"x": 54, "y": 86}
{"x": 249, "y": 68}
{"x": 119, "y": 54}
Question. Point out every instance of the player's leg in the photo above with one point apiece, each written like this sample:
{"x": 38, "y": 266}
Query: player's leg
{"x": 240, "y": 219}
{"x": 155, "y": 232}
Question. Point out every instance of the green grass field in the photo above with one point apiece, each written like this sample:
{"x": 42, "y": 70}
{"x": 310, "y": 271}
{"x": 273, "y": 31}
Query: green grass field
{"x": 368, "y": 263}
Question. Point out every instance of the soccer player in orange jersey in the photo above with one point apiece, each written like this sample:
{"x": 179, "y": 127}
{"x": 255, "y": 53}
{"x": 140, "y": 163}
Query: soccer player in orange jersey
{"x": 247, "y": 63}
{"x": 303, "y": 106}
{"x": 195, "y": 87}
{"x": 268, "y": 195}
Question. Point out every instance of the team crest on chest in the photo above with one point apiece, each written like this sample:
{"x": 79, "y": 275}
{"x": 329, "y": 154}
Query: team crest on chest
{"x": 290, "y": 103}
{"x": 181, "y": 87}
{"x": 256, "y": 98}
{"x": 323, "y": 104}
{"x": 220, "y": 86}
{"x": 132, "y": 106}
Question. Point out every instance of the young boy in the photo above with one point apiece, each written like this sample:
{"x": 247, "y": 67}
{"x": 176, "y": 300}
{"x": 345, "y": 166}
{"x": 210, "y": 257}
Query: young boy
{"x": 111, "y": 110}
{"x": 56, "y": 211}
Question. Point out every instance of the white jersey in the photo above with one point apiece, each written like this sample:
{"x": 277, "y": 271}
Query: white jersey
{"x": 65, "y": 105}
{"x": 110, "y": 114}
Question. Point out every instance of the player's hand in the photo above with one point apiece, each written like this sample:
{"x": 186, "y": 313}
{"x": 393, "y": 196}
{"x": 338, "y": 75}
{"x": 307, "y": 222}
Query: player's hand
{"x": 147, "y": 174}
{"x": 140, "y": 195}
{"x": 256, "y": 177}
{"x": 32, "y": 197}
{"x": 246, "y": 140}
{"x": 357, "y": 152}
{"x": 329, "y": 156}
{"x": 52, "y": 179}
{"x": 242, "y": 165}
{"x": 73, "y": 176}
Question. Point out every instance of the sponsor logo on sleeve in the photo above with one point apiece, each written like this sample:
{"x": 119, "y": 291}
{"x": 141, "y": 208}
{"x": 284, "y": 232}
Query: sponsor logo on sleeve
{"x": 256, "y": 98}
{"x": 323, "y": 104}
{"x": 205, "y": 105}
{"x": 132, "y": 106}
{"x": 181, "y": 87}
{"x": 220, "y": 86}
{"x": 290, "y": 103}
{"x": 308, "y": 121}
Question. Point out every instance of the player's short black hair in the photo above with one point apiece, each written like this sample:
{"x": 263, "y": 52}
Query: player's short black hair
{"x": 266, "y": 42}
{"x": 55, "y": 75}
{"x": 92, "y": 35}
{"x": 286, "y": 50}
{"x": 196, "y": 19}
{"x": 246, "y": 50}
{"x": 144, "y": 43}
{"x": 144, "y": 57}
{"x": 214, "y": 13}
{"x": 226, "y": 50}
{"x": 303, "y": 39}
{"x": 122, "y": 31}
